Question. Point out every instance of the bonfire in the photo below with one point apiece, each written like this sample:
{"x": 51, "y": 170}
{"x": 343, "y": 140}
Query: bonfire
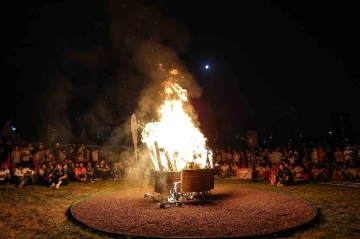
{"x": 174, "y": 139}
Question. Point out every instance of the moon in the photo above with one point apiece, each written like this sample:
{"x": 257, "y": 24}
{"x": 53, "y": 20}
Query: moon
{"x": 207, "y": 67}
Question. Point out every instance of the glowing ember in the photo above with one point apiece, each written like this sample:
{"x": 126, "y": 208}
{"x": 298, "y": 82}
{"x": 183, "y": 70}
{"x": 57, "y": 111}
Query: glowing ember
{"x": 174, "y": 140}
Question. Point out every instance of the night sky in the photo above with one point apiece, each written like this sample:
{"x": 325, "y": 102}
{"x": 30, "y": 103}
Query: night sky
{"x": 87, "y": 64}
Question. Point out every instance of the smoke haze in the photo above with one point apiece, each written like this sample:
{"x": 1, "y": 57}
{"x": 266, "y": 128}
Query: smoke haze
{"x": 141, "y": 38}
{"x": 111, "y": 70}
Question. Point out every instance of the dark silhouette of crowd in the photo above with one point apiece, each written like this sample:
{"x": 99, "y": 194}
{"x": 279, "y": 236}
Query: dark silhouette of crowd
{"x": 55, "y": 166}
{"x": 318, "y": 163}
{"x": 58, "y": 165}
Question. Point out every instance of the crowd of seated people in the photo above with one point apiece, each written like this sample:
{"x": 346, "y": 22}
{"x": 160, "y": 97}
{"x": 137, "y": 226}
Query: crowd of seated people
{"x": 317, "y": 164}
{"x": 55, "y": 167}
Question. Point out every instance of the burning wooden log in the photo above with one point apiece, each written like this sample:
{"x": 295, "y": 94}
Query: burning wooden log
{"x": 158, "y": 157}
{"x": 170, "y": 164}
{"x": 153, "y": 156}
{"x": 176, "y": 161}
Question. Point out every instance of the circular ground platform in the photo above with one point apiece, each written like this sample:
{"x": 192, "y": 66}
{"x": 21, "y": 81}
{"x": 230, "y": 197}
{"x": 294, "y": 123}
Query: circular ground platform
{"x": 227, "y": 212}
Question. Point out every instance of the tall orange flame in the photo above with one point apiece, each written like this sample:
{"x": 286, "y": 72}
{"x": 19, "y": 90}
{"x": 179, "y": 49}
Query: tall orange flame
{"x": 174, "y": 140}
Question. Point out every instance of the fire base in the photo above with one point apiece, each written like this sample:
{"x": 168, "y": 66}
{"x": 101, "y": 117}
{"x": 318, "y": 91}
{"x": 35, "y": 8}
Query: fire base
{"x": 197, "y": 180}
{"x": 174, "y": 198}
{"x": 164, "y": 180}
{"x": 182, "y": 185}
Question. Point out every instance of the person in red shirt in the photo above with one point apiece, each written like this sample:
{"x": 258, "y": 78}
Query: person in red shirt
{"x": 80, "y": 173}
{"x": 321, "y": 154}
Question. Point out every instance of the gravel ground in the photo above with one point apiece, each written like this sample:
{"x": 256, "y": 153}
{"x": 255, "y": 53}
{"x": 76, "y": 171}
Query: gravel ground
{"x": 227, "y": 212}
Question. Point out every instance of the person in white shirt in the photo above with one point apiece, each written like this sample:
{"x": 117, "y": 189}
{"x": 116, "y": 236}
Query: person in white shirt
{"x": 25, "y": 155}
{"x": 16, "y": 155}
{"x": 23, "y": 174}
{"x": 81, "y": 149}
{"x": 275, "y": 157}
{"x": 95, "y": 157}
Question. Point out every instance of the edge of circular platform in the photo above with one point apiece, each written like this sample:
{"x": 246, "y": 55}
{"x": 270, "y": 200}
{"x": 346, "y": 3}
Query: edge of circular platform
{"x": 280, "y": 233}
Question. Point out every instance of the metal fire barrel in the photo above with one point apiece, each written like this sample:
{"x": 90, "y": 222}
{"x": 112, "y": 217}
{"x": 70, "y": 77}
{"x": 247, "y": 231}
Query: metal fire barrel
{"x": 197, "y": 180}
{"x": 164, "y": 180}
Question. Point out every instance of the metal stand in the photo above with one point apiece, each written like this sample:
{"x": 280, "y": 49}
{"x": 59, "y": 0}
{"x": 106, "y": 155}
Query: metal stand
{"x": 174, "y": 198}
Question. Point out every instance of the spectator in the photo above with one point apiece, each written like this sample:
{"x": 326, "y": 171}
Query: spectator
{"x": 285, "y": 177}
{"x": 5, "y": 176}
{"x": 23, "y": 174}
{"x": 103, "y": 170}
{"x": 58, "y": 177}
{"x": 90, "y": 172}
{"x": 80, "y": 173}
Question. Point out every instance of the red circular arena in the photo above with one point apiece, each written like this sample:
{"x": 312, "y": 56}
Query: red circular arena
{"x": 226, "y": 212}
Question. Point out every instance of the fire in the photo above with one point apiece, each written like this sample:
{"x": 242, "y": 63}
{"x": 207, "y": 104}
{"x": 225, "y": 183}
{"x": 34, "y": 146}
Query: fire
{"x": 175, "y": 142}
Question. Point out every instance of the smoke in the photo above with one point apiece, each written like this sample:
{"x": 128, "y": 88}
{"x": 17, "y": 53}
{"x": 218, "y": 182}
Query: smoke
{"x": 142, "y": 38}
{"x": 120, "y": 74}
{"x": 95, "y": 57}
{"x": 138, "y": 169}
{"x": 163, "y": 60}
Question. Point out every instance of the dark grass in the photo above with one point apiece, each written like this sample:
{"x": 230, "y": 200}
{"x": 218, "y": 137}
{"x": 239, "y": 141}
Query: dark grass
{"x": 39, "y": 212}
